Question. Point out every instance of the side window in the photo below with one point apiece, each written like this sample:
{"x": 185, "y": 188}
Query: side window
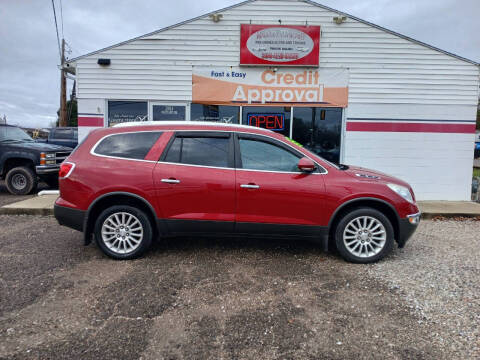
{"x": 63, "y": 134}
{"x": 260, "y": 155}
{"x": 206, "y": 151}
{"x": 129, "y": 145}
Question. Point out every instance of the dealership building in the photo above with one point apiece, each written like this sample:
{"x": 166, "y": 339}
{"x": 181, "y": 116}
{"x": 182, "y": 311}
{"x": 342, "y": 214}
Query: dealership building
{"x": 349, "y": 90}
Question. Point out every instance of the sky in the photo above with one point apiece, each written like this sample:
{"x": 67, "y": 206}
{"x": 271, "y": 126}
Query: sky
{"x": 29, "y": 56}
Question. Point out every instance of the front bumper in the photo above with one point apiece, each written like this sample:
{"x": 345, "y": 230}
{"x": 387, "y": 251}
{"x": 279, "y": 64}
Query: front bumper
{"x": 47, "y": 169}
{"x": 407, "y": 227}
{"x": 72, "y": 218}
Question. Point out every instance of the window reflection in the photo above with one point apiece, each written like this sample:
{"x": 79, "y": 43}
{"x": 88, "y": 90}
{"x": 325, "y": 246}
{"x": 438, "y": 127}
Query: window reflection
{"x": 319, "y": 130}
{"x": 215, "y": 113}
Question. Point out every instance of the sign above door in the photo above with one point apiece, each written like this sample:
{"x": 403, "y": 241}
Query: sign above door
{"x": 281, "y": 45}
{"x": 265, "y": 86}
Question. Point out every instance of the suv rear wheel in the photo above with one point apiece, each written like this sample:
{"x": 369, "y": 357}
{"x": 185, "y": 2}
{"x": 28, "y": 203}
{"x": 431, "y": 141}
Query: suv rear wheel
{"x": 21, "y": 180}
{"x": 123, "y": 232}
{"x": 364, "y": 235}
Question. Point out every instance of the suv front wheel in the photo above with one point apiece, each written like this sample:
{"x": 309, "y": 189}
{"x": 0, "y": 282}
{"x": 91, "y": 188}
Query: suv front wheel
{"x": 21, "y": 180}
{"x": 364, "y": 236}
{"x": 123, "y": 232}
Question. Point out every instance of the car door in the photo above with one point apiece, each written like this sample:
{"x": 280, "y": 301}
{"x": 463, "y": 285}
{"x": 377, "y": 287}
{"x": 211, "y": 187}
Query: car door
{"x": 273, "y": 196}
{"x": 195, "y": 182}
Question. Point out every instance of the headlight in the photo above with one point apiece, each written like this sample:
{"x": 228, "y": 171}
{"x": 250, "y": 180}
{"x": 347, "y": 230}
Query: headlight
{"x": 50, "y": 155}
{"x": 402, "y": 191}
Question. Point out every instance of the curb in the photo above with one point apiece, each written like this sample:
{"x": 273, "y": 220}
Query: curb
{"x": 430, "y": 216}
{"x": 25, "y": 211}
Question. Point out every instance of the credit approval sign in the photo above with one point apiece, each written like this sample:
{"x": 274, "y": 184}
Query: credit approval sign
{"x": 281, "y": 45}
{"x": 260, "y": 86}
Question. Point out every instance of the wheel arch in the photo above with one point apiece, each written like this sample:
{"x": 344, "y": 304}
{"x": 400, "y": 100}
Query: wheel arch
{"x": 116, "y": 198}
{"x": 16, "y": 161}
{"x": 378, "y": 204}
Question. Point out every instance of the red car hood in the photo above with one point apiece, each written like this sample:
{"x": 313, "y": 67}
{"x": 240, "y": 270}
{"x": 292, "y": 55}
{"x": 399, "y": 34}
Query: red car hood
{"x": 373, "y": 175}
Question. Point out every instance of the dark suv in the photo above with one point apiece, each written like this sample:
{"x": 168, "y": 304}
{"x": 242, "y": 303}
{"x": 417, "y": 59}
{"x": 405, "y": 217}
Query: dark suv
{"x": 130, "y": 184}
{"x": 23, "y": 160}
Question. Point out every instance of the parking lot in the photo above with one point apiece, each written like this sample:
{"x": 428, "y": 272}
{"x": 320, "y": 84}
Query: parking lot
{"x": 7, "y": 198}
{"x": 218, "y": 298}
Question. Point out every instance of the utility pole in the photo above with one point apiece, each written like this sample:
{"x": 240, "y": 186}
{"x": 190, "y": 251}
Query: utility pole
{"x": 63, "y": 91}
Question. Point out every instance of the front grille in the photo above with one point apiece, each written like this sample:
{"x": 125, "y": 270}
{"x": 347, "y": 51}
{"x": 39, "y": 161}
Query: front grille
{"x": 60, "y": 156}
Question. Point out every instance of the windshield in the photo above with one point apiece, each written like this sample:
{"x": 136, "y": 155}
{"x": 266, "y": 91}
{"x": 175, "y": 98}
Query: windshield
{"x": 13, "y": 134}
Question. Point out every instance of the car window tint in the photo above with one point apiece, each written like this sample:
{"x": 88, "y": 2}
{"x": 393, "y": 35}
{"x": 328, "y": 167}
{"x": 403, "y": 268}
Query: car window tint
{"x": 63, "y": 134}
{"x": 206, "y": 151}
{"x": 173, "y": 154}
{"x": 260, "y": 155}
{"x": 130, "y": 145}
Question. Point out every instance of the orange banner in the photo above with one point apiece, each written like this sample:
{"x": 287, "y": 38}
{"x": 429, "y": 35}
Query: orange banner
{"x": 286, "y": 87}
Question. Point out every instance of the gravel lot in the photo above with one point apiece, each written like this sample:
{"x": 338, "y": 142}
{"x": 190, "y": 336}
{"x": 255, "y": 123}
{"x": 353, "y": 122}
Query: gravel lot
{"x": 7, "y": 198}
{"x": 217, "y": 298}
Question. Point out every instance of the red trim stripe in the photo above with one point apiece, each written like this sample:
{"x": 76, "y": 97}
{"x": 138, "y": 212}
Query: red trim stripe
{"x": 90, "y": 121}
{"x": 411, "y": 127}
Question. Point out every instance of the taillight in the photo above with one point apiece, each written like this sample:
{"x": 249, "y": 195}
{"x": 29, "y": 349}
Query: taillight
{"x": 66, "y": 169}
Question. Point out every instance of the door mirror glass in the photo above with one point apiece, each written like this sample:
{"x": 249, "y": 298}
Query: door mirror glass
{"x": 306, "y": 165}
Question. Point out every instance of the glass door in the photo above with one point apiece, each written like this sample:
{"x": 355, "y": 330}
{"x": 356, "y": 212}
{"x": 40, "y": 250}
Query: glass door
{"x": 319, "y": 130}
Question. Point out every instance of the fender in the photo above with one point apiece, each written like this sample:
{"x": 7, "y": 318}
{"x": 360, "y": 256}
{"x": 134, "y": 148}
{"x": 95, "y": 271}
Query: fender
{"x": 16, "y": 155}
{"x": 349, "y": 202}
{"x": 86, "y": 230}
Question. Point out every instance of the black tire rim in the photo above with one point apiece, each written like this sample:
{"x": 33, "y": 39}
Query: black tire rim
{"x": 19, "y": 181}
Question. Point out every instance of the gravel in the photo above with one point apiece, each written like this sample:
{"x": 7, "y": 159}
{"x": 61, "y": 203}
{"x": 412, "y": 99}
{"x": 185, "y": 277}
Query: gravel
{"x": 438, "y": 275}
{"x": 204, "y": 298}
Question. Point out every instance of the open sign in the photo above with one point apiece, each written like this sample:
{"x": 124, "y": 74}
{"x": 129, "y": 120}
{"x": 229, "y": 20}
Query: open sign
{"x": 275, "y": 122}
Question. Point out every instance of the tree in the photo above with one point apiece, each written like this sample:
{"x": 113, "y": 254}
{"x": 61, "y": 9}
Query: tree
{"x": 72, "y": 110}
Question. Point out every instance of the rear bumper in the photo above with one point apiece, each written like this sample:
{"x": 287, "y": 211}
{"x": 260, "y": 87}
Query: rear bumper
{"x": 406, "y": 228}
{"x": 72, "y": 218}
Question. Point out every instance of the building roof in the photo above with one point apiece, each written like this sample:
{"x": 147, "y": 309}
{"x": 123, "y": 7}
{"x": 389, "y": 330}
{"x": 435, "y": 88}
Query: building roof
{"x": 306, "y": 1}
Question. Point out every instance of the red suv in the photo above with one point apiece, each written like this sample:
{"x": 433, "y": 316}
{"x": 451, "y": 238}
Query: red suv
{"x": 130, "y": 184}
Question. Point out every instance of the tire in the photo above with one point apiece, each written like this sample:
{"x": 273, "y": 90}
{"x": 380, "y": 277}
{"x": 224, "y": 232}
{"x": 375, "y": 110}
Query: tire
{"x": 123, "y": 245}
{"x": 366, "y": 241}
{"x": 21, "y": 180}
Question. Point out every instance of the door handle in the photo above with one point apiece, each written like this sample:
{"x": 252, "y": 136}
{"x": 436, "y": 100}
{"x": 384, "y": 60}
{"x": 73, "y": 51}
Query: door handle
{"x": 170, "y": 181}
{"x": 250, "y": 186}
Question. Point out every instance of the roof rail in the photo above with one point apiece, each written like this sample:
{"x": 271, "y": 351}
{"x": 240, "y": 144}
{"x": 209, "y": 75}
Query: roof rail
{"x": 185, "y": 123}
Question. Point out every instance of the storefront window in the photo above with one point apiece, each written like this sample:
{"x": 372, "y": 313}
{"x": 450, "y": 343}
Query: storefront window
{"x": 168, "y": 112}
{"x": 216, "y": 113}
{"x": 127, "y": 111}
{"x": 319, "y": 130}
{"x": 276, "y": 118}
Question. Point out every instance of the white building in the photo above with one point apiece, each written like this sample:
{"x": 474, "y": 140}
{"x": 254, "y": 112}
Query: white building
{"x": 357, "y": 93}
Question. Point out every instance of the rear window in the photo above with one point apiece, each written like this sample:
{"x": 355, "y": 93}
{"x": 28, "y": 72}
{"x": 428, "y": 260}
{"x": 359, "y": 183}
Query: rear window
{"x": 129, "y": 145}
{"x": 63, "y": 134}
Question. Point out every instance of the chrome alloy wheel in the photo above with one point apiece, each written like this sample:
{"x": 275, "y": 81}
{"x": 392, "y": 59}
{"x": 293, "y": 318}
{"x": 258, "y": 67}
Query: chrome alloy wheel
{"x": 122, "y": 232}
{"x": 364, "y": 236}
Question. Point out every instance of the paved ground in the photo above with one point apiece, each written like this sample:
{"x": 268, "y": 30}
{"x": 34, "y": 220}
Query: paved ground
{"x": 7, "y": 198}
{"x": 214, "y": 299}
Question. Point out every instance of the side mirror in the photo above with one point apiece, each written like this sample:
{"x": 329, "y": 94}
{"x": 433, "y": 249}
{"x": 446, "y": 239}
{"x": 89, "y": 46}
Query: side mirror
{"x": 306, "y": 165}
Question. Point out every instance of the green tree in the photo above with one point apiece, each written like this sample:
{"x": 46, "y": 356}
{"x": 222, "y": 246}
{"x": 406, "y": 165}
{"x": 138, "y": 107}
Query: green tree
{"x": 72, "y": 120}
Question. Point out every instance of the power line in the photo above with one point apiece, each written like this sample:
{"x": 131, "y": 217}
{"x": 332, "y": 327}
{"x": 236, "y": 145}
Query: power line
{"x": 56, "y": 28}
{"x": 61, "y": 16}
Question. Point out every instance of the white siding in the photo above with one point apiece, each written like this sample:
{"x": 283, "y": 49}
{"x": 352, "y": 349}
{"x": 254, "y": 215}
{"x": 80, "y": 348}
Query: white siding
{"x": 384, "y": 68}
{"x": 390, "y": 77}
